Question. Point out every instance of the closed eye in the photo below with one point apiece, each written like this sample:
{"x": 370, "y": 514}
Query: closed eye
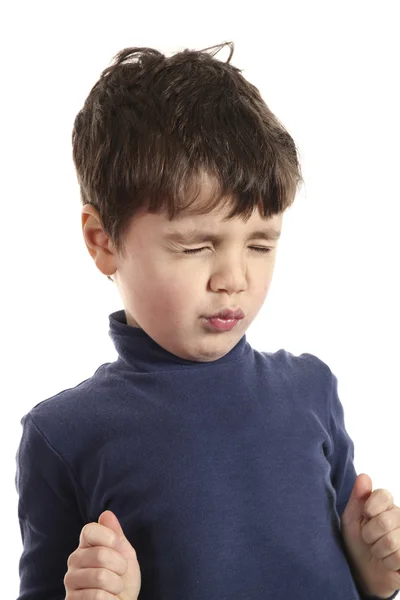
{"x": 256, "y": 248}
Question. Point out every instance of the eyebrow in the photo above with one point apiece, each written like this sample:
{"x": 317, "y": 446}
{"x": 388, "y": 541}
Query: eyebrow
{"x": 196, "y": 236}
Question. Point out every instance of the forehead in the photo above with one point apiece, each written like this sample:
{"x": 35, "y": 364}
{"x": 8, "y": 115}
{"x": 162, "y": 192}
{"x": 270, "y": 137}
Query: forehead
{"x": 219, "y": 218}
{"x": 208, "y": 213}
{"x": 192, "y": 230}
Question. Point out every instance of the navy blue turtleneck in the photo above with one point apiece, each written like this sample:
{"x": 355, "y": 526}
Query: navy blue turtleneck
{"x": 229, "y": 478}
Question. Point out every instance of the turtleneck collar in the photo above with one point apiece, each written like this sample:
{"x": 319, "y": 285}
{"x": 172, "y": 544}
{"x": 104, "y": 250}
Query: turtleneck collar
{"x": 136, "y": 348}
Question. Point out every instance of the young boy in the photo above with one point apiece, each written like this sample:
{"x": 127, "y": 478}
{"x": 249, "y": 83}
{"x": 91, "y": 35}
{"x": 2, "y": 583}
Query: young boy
{"x": 226, "y": 470}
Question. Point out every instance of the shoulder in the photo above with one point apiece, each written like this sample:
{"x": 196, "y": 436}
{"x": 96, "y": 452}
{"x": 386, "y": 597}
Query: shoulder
{"x": 301, "y": 365}
{"x": 68, "y": 413}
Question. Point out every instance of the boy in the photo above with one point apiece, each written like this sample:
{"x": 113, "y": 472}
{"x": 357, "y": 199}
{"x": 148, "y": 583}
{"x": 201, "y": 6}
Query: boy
{"x": 193, "y": 467}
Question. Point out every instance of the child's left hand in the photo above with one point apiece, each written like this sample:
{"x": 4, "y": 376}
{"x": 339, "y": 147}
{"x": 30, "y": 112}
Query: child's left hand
{"x": 371, "y": 533}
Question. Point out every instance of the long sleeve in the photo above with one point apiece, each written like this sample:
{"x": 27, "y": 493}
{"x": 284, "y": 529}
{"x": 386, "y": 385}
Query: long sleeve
{"x": 341, "y": 456}
{"x": 49, "y": 515}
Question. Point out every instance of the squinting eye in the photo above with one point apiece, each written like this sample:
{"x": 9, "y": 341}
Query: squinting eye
{"x": 261, "y": 249}
{"x": 257, "y": 249}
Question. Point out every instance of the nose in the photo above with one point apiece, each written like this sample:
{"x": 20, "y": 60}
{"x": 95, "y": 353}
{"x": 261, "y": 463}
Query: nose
{"x": 231, "y": 276}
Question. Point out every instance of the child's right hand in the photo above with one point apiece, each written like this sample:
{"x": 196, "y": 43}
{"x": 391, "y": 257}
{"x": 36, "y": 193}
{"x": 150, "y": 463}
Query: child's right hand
{"x": 104, "y": 566}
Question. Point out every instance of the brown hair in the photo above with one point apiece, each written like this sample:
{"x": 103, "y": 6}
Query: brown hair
{"x": 152, "y": 126}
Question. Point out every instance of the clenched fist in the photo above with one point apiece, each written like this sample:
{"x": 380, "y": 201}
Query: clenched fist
{"x": 104, "y": 566}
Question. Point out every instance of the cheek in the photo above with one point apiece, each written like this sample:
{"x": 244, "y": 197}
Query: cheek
{"x": 177, "y": 293}
{"x": 266, "y": 286}
{"x": 165, "y": 291}
{"x": 261, "y": 290}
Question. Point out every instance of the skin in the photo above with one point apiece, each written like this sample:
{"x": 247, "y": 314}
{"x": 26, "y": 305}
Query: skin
{"x": 166, "y": 292}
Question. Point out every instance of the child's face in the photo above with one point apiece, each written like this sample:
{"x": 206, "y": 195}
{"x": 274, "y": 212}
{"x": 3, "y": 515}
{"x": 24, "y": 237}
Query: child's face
{"x": 167, "y": 292}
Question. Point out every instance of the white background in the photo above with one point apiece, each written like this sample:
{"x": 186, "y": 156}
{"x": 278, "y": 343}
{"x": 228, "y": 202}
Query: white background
{"x": 330, "y": 72}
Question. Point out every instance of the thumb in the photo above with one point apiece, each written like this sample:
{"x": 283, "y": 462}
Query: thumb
{"x": 354, "y": 511}
{"x": 110, "y": 520}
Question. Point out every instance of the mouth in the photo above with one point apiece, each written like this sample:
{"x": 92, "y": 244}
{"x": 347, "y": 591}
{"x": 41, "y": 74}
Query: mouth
{"x": 227, "y": 314}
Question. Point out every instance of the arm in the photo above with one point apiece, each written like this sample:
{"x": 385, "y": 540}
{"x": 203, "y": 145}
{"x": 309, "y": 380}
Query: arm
{"x": 49, "y": 515}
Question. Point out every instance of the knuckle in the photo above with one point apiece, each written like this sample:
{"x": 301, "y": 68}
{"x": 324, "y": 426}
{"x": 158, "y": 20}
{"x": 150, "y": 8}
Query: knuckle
{"x": 395, "y": 576}
{"x": 102, "y": 577}
{"x": 67, "y": 581}
{"x": 86, "y": 531}
{"x": 86, "y": 528}
{"x": 390, "y": 541}
{"x": 103, "y": 556}
{"x": 124, "y": 565}
{"x": 389, "y": 496}
{"x": 384, "y": 520}
{"x": 71, "y": 559}
{"x": 100, "y": 595}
